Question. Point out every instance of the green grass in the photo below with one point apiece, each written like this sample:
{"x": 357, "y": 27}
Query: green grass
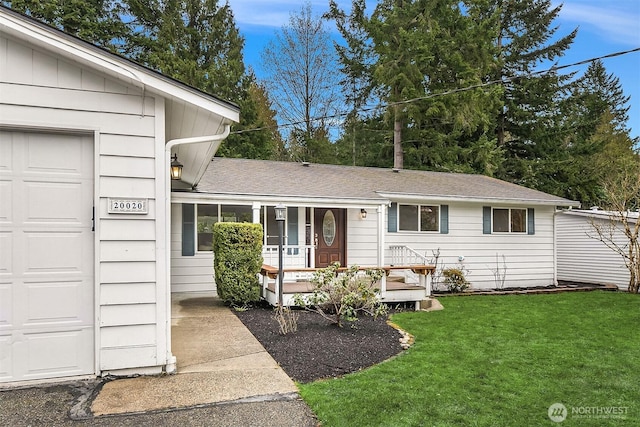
{"x": 499, "y": 361}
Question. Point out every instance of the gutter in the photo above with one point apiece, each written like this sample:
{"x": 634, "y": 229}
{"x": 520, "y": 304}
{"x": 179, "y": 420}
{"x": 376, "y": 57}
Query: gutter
{"x": 171, "y": 359}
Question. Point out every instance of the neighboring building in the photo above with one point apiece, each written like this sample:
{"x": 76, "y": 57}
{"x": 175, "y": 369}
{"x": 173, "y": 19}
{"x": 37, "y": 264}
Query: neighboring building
{"x": 471, "y": 219}
{"x": 582, "y": 257}
{"x": 85, "y": 144}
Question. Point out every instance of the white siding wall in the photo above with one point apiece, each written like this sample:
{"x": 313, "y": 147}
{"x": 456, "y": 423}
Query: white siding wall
{"x": 584, "y": 259}
{"x": 41, "y": 91}
{"x": 362, "y": 238}
{"x": 529, "y": 258}
{"x": 188, "y": 273}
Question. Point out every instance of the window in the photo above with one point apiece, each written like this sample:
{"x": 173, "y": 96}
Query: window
{"x": 509, "y": 220}
{"x": 418, "y": 218}
{"x": 207, "y": 216}
{"x": 236, "y": 213}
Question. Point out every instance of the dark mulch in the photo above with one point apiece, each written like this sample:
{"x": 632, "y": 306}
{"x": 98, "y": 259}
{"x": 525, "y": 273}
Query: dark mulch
{"x": 319, "y": 349}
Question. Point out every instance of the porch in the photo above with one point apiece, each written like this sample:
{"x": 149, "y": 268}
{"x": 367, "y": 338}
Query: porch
{"x": 399, "y": 283}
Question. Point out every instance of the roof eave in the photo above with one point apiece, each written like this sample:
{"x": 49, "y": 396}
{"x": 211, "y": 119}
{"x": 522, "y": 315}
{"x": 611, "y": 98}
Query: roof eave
{"x": 474, "y": 199}
{"x": 24, "y": 28}
{"x": 191, "y": 197}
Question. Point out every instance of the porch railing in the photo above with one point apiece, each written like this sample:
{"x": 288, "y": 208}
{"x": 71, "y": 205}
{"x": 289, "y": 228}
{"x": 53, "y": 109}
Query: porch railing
{"x": 295, "y": 256}
{"x": 404, "y": 255}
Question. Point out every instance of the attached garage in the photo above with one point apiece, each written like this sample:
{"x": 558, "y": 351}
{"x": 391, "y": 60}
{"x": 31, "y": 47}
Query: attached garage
{"x": 47, "y": 288}
{"x": 86, "y": 140}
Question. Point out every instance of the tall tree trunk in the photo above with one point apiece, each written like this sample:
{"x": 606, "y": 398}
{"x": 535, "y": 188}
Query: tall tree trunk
{"x": 398, "y": 155}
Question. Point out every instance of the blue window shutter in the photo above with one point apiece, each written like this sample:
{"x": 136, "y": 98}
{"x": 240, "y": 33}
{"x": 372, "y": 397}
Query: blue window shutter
{"x": 531, "y": 221}
{"x": 392, "y": 225}
{"x": 188, "y": 230}
{"x": 486, "y": 220}
{"x": 444, "y": 219}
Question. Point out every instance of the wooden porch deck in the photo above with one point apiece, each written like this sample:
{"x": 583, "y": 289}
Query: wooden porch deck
{"x": 303, "y": 287}
{"x": 393, "y": 287}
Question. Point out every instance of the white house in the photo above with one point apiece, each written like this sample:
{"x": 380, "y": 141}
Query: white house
{"x": 85, "y": 144}
{"x": 369, "y": 217}
{"x": 582, "y": 257}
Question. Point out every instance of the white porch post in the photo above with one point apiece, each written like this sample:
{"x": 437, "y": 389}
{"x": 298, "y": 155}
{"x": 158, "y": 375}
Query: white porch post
{"x": 383, "y": 281}
{"x": 255, "y": 206}
{"x": 312, "y": 237}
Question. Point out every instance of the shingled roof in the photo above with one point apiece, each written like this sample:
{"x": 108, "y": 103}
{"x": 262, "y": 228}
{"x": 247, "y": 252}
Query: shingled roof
{"x": 289, "y": 179}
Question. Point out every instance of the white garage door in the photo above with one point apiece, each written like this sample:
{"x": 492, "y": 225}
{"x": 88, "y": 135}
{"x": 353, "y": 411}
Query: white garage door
{"x": 46, "y": 256}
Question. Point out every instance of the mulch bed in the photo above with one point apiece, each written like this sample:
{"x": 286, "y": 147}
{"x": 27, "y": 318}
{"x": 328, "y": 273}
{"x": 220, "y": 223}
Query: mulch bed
{"x": 319, "y": 349}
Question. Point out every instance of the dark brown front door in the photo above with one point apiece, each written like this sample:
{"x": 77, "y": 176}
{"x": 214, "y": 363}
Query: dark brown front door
{"x": 329, "y": 225}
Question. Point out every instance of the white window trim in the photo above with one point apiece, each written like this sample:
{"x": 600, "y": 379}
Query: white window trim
{"x": 526, "y": 221}
{"x": 419, "y": 221}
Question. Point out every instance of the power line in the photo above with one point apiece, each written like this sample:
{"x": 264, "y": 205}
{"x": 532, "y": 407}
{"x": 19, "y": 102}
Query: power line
{"x": 448, "y": 92}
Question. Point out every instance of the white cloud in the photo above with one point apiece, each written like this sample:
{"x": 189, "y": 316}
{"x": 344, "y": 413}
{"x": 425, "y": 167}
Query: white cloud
{"x": 617, "y": 21}
{"x": 272, "y": 13}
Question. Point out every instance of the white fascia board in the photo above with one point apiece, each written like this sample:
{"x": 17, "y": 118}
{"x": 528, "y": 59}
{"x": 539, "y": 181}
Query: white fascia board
{"x": 178, "y": 197}
{"x": 119, "y": 68}
{"x": 605, "y": 215}
{"x": 490, "y": 200}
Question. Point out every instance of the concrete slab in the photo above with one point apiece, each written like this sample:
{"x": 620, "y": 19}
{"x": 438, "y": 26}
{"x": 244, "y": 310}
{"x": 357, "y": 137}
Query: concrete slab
{"x": 218, "y": 360}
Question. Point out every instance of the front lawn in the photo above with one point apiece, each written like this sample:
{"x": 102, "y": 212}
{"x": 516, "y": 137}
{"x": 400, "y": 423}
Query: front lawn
{"x": 500, "y": 361}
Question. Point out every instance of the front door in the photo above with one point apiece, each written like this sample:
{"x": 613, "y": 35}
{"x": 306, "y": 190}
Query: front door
{"x": 329, "y": 225}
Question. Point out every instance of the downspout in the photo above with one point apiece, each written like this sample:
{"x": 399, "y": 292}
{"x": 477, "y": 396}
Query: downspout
{"x": 171, "y": 359}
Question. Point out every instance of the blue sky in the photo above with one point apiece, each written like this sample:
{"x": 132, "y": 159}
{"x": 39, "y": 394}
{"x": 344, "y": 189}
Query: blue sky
{"x": 605, "y": 26}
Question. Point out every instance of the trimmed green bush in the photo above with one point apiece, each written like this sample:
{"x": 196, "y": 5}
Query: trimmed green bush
{"x": 237, "y": 249}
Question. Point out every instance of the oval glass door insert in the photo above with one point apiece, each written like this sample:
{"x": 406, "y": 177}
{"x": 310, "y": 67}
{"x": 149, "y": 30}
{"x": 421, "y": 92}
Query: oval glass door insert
{"x": 329, "y": 228}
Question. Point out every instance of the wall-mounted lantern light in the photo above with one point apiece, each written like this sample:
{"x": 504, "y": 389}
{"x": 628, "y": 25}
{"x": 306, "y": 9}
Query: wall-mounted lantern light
{"x": 176, "y": 168}
{"x": 363, "y": 213}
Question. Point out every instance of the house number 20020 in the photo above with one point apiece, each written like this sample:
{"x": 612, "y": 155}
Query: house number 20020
{"x": 130, "y": 206}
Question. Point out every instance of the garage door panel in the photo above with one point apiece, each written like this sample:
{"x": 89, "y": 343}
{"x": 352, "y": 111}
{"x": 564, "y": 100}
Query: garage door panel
{"x": 54, "y": 202}
{"x": 6, "y": 152}
{"x": 6, "y": 207}
{"x": 52, "y": 154}
{"x": 6, "y": 254}
{"x": 6, "y": 309}
{"x": 54, "y": 252}
{"x": 6, "y": 358}
{"x": 57, "y": 354}
{"x": 54, "y": 304}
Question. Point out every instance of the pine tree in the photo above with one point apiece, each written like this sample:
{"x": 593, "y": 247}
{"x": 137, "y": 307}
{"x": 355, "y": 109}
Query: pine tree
{"x": 421, "y": 53}
{"x": 529, "y": 121}
{"x": 198, "y": 43}
{"x": 95, "y": 21}
{"x": 594, "y": 94}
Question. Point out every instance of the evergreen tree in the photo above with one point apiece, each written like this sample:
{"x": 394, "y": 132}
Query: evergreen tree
{"x": 95, "y": 21}
{"x": 529, "y": 122}
{"x": 198, "y": 43}
{"x": 356, "y": 59}
{"x": 420, "y": 50}
{"x": 594, "y": 94}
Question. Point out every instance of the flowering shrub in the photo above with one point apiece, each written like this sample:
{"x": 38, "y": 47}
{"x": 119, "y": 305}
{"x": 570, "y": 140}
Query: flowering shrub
{"x": 455, "y": 280}
{"x": 344, "y": 295}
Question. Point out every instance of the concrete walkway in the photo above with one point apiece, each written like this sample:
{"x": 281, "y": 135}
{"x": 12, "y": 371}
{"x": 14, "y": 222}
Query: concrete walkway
{"x": 219, "y": 361}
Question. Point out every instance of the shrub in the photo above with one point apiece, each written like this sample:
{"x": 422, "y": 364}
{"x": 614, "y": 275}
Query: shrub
{"x": 455, "y": 280}
{"x": 345, "y": 295}
{"x": 237, "y": 249}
